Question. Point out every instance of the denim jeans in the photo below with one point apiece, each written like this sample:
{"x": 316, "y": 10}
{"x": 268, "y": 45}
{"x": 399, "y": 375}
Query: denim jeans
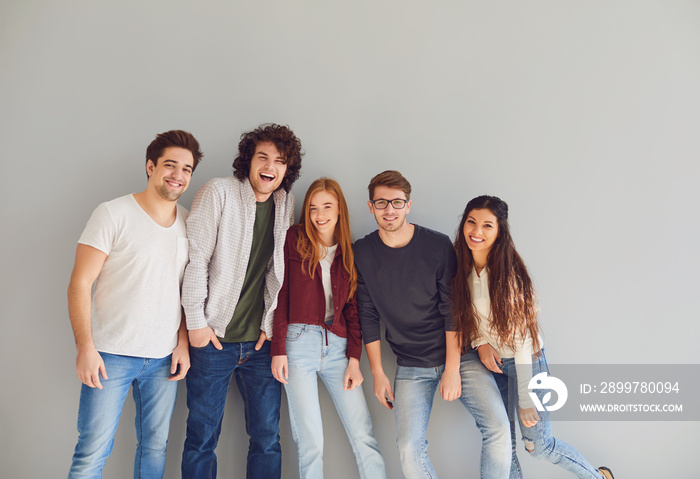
{"x": 207, "y": 387}
{"x": 481, "y": 397}
{"x": 414, "y": 389}
{"x": 100, "y": 410}
{"x": 538, "y": 439}
{"x": 314, "y": 353}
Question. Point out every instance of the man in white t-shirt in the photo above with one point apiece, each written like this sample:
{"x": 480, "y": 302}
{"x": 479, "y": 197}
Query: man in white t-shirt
{"x": 130, "y": 332}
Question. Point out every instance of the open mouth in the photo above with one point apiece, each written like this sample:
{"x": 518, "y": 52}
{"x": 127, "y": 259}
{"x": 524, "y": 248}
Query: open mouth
{"x": 267, "y": 177}
{"x": 174, "y": 184}
{"x": 322, "y": 223}
{"x": 476, "y": 240}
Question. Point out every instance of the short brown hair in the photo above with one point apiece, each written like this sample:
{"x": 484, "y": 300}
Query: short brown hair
{"x": 177, "y": 139}
{"x": 390, "y": 179}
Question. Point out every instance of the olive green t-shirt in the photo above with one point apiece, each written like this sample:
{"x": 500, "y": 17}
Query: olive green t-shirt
{"x": 245, "y": 324}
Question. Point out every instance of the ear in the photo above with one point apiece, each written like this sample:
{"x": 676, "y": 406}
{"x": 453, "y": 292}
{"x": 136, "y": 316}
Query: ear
{"x": 408, "y": 207}
{"x": 150, "y": 167}
{"x": 371, "y": 207}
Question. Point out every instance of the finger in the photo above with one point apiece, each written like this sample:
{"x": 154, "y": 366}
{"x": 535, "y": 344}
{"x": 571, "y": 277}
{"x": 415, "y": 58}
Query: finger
{"x": 390, "y": 393}
{"x": 103, "y": 371}
{"x": 259, "y": 344}
{"x": 96, "y": 382}
{"x": 173, "y": 365}
{"x": 215, "y": 341}
{"x": 285, "y": 369}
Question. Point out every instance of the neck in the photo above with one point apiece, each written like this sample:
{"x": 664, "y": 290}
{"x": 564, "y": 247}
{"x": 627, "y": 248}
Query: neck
{"x": 479, "y": 259}
{"x": 327, "y": 239}
{"x": 160, "y": 210}
{"x": 398, "y": 238}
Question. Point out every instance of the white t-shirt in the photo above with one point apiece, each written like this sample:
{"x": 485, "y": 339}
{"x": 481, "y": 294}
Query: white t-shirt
{"x": 136, "y": 302}
{"x": 326, "y": 263}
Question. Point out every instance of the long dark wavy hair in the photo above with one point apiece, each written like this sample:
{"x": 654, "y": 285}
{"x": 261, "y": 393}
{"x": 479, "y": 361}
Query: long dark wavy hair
{"x": 284, "y": 140}
{"x": 309, "y": 243}
{"x": 513, "y": 300}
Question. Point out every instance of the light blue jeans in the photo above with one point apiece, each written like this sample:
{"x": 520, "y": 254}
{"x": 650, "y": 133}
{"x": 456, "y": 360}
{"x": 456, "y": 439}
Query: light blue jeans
{"x": 414, "y": 390}
{"x": 314, "y": 353}
{"x": 100, "y": 410}
{"x": 538, "y": 439}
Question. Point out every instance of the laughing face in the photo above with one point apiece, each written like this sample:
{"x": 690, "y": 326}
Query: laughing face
{"x": 389, "y": 219}
{"x": 267, "y": 170}
{"x": 171, "y": 174}
{"x": 481, "y": 230}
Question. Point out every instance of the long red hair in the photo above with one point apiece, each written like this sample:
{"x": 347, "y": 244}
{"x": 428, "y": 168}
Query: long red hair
{"x": 309, "y": 244}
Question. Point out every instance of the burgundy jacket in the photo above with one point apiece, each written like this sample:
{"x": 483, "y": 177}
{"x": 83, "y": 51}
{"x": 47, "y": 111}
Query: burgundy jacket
{"x": 302, "y": 300}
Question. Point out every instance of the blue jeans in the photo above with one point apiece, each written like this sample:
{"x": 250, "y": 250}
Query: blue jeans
{"x": 414, "y": 389}
{"x": 100, "y": 410}
{"x": 207, "y": 386}
{"x": 481, "y": 397}
{"x": 312, "y": 352}
{"x": 538, "y": 439}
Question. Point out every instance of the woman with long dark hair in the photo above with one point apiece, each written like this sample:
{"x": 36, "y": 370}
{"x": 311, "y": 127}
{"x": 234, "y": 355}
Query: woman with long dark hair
{"x": 495, "y": 312}
{"x": 316, "y": 332}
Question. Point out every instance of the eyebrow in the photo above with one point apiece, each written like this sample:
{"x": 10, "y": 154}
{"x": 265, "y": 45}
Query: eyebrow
{"x": 487, "y": 221}
{"x": 175, "y": 162}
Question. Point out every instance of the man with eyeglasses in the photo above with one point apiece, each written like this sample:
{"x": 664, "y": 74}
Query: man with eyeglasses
{"x": 404, "y": 277}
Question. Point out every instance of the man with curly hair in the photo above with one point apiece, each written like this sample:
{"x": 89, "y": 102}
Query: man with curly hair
{"x": 237, "y": 227}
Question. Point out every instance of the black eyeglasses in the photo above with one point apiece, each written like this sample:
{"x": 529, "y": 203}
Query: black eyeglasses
{"x": 397, "y": 203}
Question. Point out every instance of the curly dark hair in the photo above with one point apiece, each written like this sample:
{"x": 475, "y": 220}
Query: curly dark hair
{"x": 284, "y": 140}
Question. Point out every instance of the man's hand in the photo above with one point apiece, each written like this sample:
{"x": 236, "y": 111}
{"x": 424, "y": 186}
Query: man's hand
{"x": 490, "y": 358}
{"x": 261, "y": 341}
{"x": 450, "y": 385}
{"x": 528, "y": 416}
{"x": 181, "y": 357}
{"x": 382, "y": 389}
{"x": 203, "y": 336}
{"x": 353, "y": 375}
{"x": 89, "y": 365}
{"x": 280, "y": 368}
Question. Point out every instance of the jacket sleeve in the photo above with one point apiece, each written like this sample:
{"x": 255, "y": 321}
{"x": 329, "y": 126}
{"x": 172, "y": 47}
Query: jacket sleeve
{"x": 352, "y": 324}
{"x": 202, "y": 231}
{"x": 281, "y": 316}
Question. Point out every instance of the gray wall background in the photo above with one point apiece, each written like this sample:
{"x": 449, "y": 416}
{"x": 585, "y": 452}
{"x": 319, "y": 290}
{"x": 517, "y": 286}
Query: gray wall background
{"x": 582, "y": 115}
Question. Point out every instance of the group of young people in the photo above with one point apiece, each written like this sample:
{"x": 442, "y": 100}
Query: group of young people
{"x": 236, "y": 288}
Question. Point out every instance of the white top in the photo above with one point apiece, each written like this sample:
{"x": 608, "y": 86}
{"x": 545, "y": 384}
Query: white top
{"x": 326, "y": 263}
{"x": 136, "y": 303}
{"x": 522, "y": 354}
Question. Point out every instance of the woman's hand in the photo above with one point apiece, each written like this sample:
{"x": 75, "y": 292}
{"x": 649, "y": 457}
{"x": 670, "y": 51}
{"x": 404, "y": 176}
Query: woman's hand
{"x": 528, "y": 416}
{"x": 280, "y": 368}
{"x": 490, "y": 358}
{"x": 353, "y": 376}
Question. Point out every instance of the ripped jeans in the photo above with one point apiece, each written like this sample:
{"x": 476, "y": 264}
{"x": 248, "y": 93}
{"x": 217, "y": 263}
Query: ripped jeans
{"x": 538, "y": 439}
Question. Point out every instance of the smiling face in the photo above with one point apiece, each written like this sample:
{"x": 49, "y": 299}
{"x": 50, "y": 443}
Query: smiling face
{"x": 267, "y": 170}
{"x": 171, "y": 173}
{"x": 323, "y": 214}
{"x": 481, "y": 231}
{"x": 389, "y": 219}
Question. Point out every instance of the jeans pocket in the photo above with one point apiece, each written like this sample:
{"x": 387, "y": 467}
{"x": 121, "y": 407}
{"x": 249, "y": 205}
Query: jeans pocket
{"x": 200, "y": 348}
{"x": 295, "y": 331}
